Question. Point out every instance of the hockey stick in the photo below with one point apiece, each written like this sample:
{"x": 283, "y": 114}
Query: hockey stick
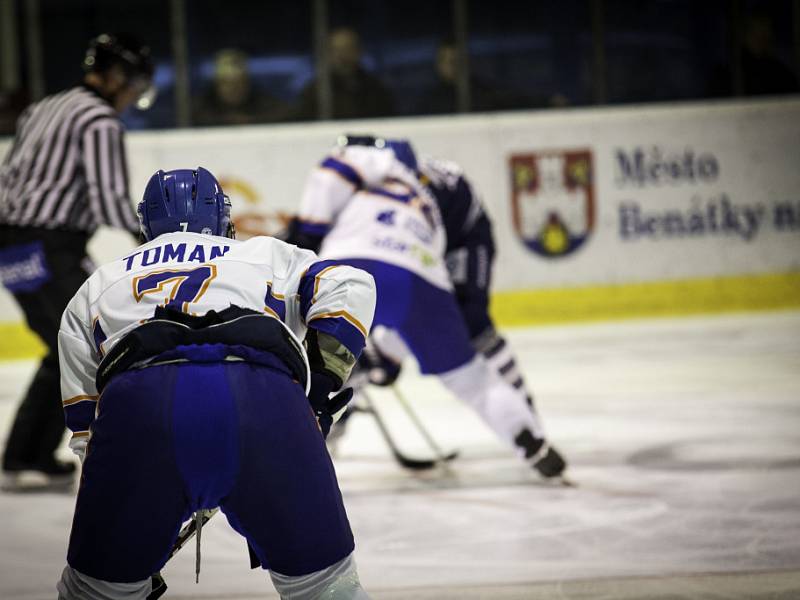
{"x": 437, "y": 451}
{"x": 413, "y": 464}
{"x": 186, "y": 534}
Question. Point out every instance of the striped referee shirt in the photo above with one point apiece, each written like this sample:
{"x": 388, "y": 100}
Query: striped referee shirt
{"x": 66, "y": 168}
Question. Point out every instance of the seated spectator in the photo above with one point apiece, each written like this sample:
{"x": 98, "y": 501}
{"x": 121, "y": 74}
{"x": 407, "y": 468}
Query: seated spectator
{"x": 442, "y": 98}
{"x": 763, "y": 72}
{"x": 355, "y": 92}
{"x": 232, "y": 98}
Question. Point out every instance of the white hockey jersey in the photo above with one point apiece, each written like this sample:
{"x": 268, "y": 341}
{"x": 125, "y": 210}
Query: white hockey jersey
{"x": 370, "y": 205}
{"x": 196, "y": 273}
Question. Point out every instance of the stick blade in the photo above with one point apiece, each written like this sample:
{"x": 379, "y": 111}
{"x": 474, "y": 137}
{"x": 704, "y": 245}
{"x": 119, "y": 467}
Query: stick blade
{"x": 420, "y": 464}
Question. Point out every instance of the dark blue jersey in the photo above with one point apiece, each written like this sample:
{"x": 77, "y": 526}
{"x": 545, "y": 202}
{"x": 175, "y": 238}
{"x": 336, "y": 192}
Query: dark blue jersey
{"x": 465, "y": 221}
{"x": 470, "y": 246}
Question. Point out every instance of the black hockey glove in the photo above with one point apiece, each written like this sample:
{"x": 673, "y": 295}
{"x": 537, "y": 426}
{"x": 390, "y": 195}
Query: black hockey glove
{"x": 293, "y": 235}
{"x": 323, "y": 404}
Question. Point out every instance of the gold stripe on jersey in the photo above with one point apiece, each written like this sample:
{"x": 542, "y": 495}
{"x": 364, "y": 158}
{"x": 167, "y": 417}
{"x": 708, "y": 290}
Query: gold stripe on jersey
{"x": 268, "y": 310}
{"x": 274, "y": 294}
{"x": 346, "y": 316}
{"x": 81, "y": 398}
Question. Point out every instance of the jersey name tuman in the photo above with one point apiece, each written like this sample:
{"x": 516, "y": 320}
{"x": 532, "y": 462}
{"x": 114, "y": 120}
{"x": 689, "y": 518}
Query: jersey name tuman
{"x": 175, "y": 252}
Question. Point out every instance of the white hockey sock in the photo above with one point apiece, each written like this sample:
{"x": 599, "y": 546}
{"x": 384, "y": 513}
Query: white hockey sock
{"x": 498, "y": 354}
{"x": 74, "y": 585}
{"x": 500, "y": 406}
{"x": 337, "y": 582}
{"x": 500, "y": 358}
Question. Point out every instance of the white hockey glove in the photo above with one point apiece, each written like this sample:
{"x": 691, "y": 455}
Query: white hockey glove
{"x": 78, "y": 446}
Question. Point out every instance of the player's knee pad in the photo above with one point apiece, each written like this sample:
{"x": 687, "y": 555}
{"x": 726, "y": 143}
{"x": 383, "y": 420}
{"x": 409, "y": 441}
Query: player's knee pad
{"x": 497, "y": 352}
{"x": 500, "y": 358}
{"x": 485, "y": 340}
{"x": 337, "y": 582}
{"x": 74, "y": 585}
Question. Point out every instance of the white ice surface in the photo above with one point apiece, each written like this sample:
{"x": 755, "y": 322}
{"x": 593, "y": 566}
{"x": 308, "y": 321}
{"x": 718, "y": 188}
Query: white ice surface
{"x": 683, "y": 437}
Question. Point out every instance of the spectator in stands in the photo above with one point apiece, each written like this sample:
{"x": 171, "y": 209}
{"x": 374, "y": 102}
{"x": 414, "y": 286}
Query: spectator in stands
{"x": 763, "y": 72}
{"x": 355, "y": 92}
{"x": 442, "y": 98}
{"x": 233, "y": 99}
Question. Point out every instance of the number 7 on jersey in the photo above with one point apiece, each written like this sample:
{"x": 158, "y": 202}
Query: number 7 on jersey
{"x": 188, "y": 285}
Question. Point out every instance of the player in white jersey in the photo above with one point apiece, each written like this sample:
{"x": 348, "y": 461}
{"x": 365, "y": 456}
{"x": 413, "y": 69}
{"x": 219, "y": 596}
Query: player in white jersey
{"x": 371, "y": 209}
{"x": 380, "y": 209}
{"x": 207, "y": 353}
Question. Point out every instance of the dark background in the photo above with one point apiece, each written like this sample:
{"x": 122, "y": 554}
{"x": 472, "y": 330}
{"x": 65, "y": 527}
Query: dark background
{"x": 521, "y": 55}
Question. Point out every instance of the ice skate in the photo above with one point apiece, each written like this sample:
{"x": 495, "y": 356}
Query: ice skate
{"x": 50, "y": 476}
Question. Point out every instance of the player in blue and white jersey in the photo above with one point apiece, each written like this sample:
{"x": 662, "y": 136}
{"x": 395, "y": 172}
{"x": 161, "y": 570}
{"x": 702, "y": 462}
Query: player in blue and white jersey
{"x": 192, "y": 370}
{"x": 371, "y": 204}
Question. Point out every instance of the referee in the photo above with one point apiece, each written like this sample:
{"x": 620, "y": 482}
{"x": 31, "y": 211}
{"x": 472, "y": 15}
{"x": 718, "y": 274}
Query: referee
{"x": 65, "y": 175}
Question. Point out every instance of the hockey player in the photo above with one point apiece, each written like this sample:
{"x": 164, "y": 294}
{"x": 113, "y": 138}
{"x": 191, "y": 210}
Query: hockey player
{"x": 371, "y": 204}
{"x": 193, "y": 340}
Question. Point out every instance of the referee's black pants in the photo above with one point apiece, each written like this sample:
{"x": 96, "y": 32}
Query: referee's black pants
{"x": 39, "y": 423}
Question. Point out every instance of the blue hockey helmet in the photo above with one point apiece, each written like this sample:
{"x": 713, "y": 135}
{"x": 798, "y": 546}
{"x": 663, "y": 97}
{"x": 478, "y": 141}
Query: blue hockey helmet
{"x": 402, "y": 148}
{"x": 184, "y": 200}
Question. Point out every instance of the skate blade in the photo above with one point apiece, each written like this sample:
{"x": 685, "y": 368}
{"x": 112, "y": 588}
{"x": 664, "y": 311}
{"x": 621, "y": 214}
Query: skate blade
{"x": 567, "y": 481}
{"x": 557, "y": 482}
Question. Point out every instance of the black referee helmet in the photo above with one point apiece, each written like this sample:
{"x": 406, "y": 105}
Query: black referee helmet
{"x": 125, "y": 51}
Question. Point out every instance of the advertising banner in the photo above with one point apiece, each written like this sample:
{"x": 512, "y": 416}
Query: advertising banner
{"x": 593, "y": 197}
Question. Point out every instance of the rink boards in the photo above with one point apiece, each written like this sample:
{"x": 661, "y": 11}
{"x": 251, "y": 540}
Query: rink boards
{"x": 598, "y": 213}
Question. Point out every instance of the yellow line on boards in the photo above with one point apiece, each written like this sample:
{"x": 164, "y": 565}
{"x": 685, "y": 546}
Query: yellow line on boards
{"x": 17, "y": 341}
{"x": 651, "y": 299}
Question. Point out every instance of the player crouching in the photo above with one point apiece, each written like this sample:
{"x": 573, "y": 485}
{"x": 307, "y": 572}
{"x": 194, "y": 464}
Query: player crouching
{"x": 186, "y": 388}
{"x": 421, "y": 231}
